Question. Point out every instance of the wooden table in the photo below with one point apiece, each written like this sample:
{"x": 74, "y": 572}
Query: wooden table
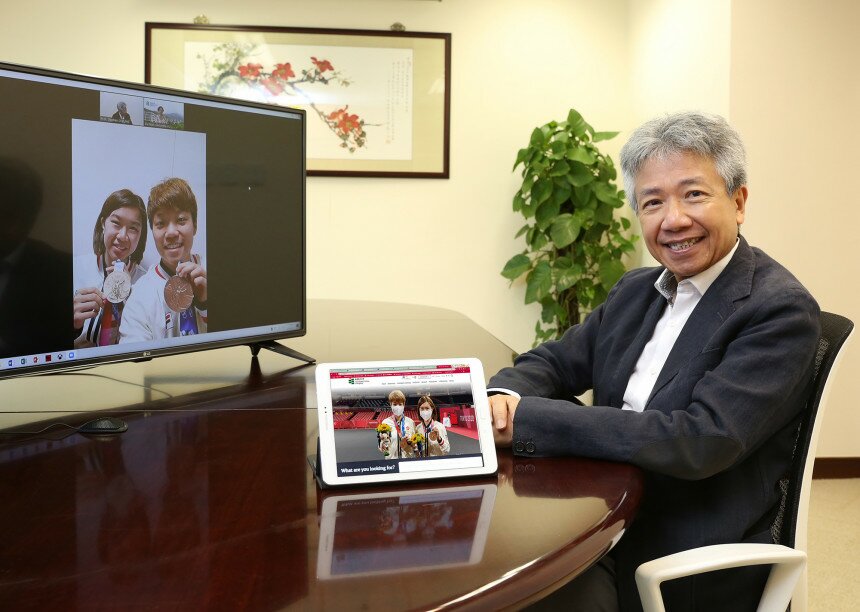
{"x": 207, "y": 501}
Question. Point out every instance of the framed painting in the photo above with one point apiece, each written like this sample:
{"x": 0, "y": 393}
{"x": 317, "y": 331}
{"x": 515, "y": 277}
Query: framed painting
{"x": 378, "y": 102}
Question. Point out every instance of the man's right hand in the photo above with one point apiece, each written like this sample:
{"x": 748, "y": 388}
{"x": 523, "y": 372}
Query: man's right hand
{"x": 502, "y": 409}
{"x": 87, "y": 304}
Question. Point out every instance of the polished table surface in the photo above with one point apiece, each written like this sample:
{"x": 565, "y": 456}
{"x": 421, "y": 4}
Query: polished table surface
{"x": 207, "y": 501}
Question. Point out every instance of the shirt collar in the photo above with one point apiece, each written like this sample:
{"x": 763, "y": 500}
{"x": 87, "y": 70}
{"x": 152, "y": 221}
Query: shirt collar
{"x": 667, "y": 284}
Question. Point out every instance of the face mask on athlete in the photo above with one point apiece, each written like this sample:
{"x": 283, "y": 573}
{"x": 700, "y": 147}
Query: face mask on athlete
{"x": 397, "y": 410}
{"x": 426, "y": 414}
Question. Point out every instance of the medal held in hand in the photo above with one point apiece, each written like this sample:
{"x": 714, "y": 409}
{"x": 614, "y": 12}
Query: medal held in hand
{"x": 117, "y": 285}
{"x": 178, "y": 293}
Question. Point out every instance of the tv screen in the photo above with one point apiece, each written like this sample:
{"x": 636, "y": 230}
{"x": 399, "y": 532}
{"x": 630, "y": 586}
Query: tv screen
{"x": 139, "y": 221}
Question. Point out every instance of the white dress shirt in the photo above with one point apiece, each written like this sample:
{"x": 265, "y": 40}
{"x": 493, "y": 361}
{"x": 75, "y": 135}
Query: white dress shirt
{"x": 681, "y": 299}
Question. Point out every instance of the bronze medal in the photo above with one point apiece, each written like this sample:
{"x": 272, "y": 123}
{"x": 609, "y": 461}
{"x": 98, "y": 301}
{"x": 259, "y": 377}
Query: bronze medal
{"x": 117, "y": 285}
{"x": 178, "y": 293}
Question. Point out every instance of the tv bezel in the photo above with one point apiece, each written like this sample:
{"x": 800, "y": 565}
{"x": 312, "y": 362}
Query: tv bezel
{"x": 202, "y": 345}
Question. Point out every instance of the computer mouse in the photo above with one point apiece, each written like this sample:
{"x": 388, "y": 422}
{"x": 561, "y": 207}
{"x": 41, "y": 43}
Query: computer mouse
{"x": 103, "y": 425}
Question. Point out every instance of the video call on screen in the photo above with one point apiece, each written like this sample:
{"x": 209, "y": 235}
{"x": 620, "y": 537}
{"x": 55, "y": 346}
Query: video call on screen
{"x": 246, "y": 169}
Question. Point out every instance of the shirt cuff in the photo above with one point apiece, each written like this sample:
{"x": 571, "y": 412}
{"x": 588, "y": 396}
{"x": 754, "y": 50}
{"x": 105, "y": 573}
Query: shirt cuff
{"x": 502, "y": 391}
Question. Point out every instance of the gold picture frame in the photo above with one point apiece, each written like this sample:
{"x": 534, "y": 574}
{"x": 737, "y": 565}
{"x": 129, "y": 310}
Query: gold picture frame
{"x": 378, "y": 102}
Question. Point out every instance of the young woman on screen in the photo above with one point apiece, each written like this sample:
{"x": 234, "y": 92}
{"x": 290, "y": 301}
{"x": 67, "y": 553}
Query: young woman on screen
{"x": 119, "y": 238}
{"x": 401, "y": 429}
{"x": 435, "y": 435}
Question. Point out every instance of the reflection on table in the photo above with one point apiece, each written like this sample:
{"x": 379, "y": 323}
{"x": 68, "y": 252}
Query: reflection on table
{"x": 387, "y": 533}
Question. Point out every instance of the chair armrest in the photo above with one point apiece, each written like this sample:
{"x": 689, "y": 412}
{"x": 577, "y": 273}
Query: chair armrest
{"x": 788, "y": 564}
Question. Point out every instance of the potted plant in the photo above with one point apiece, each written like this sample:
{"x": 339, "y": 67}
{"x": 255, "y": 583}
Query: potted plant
{"x": 574, "y": 242}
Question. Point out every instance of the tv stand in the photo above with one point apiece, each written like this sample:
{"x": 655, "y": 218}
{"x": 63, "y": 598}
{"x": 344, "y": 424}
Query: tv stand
{"x": 280, "y": 348}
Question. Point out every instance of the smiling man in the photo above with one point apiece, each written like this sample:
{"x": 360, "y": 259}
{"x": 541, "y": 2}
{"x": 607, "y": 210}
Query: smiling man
{"x": 170, "y": 300}
{"x": 697, "y": 369}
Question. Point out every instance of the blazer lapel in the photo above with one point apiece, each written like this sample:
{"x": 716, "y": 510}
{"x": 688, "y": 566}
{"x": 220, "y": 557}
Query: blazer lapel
{"x": 630, "y": 356}
{"x": 734, "y": 283}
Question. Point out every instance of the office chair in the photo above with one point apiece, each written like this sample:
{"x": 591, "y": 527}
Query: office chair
{"x": 787, "y": 580}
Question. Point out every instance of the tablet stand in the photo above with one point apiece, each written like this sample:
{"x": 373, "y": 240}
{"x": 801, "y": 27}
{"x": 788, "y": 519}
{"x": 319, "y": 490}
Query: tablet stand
{"x": 315, "y": 463}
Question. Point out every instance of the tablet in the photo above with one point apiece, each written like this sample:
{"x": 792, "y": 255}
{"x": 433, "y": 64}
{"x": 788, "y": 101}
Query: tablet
{"x": 371, "y": 429}
{"x": 395, "y": 532}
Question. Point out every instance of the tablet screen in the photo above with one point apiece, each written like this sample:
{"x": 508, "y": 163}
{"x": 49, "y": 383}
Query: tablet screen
{"x": 404, "y": 419}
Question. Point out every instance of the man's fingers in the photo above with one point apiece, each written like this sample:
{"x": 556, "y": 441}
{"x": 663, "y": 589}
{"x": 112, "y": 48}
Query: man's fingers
{"x": 503, "y": 408}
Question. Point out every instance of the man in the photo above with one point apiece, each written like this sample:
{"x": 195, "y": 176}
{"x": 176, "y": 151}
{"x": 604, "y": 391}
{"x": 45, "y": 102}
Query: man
{"x": 121, "y": 115}
{"x": 698, "y": 370}
{"x": 156, "y": 308}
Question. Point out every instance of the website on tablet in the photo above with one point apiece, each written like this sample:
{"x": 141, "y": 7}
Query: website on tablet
{"x": 404, "y": 419}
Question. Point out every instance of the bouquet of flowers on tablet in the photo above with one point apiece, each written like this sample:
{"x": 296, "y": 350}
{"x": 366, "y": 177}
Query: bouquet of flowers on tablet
{"x": 383, "y": 437}
{"x": 417, "y": 438}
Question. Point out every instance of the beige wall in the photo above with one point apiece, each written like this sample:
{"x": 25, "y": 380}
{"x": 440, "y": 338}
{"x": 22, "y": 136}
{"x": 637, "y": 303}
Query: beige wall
{"x": 517, "y": 65}
{"x": 671, "y": 69}
{"x": 795, "y": 95}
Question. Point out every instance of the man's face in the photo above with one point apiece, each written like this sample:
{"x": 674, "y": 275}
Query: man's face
{"x": 121, "y": 232}
{"x": 688, "y": 221}
{"x": 173, "y": 232}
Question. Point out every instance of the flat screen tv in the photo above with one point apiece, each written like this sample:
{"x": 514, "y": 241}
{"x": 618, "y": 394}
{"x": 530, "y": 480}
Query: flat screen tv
{"x": 139, "y": 221}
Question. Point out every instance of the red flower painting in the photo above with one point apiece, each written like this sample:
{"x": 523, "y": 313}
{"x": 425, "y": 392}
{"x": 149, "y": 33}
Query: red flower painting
{"x": 273, "y": 84}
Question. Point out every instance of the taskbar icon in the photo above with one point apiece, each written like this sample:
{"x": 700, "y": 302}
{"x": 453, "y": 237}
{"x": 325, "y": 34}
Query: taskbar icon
{"x": 18, "y": 362}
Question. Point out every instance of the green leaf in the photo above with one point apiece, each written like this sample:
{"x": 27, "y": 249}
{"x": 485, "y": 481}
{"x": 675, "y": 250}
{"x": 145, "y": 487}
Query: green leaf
{"x": 547, "y": 314}
{"x": 552, "y": 311}
{"x": 528, "y": 182}
{"x": 528, "y": 209}
{"x": 538, "y": 139}
{"x": 579, "y": 175}
{"x": 541, "y": 191}
{"x": 564, "y": 230}
{"x": 581, "y": 155}
{"x": 560, "y": 168}
{"x": 576, "y": 123}
{"x": 523, "y": 230}
{"x": 566, "y": 278}
{"x": 562, "y": 262}
{"x": 538, "y": 241}
{"x": 517, "y": 266}
{"x": 538, "y": 282}
{"x": 605, "y": 193}
{"x": 522, "y": 156}
{"x": 519, "y": 202}
{"x": 598, "y": 136}
{"x": 625, "y": 222}
{"x": 561, "y": 193}
{"x": 611, "y": 270}
{"x": 603, "y": 214}
{"x": 546, "y": 213}
{"x": 557, "y": 149}
{"x": 581, "y": 194}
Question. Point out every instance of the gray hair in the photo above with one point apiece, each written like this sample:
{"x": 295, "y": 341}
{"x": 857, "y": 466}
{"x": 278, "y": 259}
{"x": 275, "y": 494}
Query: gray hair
{"x": 707, "y": 135}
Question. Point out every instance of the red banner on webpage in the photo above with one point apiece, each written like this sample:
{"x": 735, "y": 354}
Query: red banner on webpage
{"x": 436, "y": 372}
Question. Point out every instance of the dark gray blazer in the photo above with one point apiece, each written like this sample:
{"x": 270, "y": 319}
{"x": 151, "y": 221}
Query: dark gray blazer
{"x": 717, "y": 431}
